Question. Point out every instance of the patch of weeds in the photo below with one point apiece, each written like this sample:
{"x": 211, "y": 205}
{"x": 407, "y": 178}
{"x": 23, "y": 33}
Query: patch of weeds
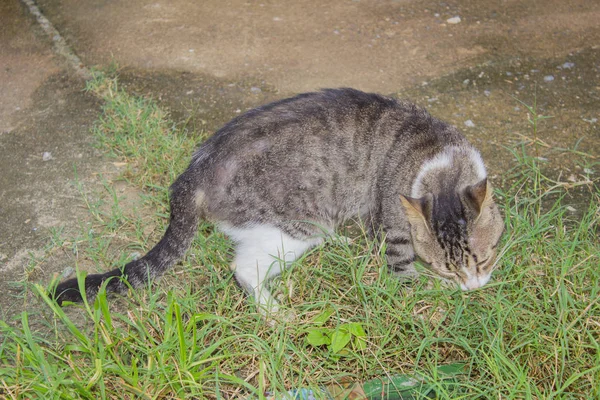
{"x": 140, "y": 133}
{"x": 337, "y": 338}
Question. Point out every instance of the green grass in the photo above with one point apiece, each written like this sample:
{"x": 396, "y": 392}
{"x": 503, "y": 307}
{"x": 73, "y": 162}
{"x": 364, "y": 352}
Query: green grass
{"x": 533, "y": 332}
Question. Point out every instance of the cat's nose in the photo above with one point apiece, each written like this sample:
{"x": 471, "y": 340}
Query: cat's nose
{"x": 474, "y": 282}
{"x": 470, "y": 284}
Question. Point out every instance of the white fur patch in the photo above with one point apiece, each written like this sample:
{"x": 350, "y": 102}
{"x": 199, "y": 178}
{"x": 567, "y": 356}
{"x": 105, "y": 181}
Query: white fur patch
{"x": 440, "y": 161}
{"x": 444, "y": 160}
{"x": 200, "y": 198}
{"x": 262, "y": 252}
{"x": 478, "y": 163}
{"x": 474, "y": 281}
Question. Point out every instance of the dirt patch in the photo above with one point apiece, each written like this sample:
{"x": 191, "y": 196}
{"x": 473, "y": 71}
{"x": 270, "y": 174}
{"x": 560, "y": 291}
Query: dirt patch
{"x": 26, "y": 62}
{"x": 206, "y": 62}
{"x": 490, "y": 95}
{"x": 304, "y": 45}
{"x": 38, "y": 194}
{"x": 199, "y": 102}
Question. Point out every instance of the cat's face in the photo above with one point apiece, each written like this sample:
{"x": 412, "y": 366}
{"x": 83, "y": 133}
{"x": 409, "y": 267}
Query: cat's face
{"x": 457, "y": 234}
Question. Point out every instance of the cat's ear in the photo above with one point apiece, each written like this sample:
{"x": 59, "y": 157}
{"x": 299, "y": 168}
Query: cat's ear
{"x": 479, "y": 195}
{"x": 417, "y": 210}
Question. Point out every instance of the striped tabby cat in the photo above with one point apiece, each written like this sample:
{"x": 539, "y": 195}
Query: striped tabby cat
{"x": 278, "y": 177}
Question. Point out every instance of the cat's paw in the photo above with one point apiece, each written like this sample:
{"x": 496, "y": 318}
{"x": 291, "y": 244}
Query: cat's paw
{"x": 407, "y": 271}
{"x": 407, "y": 278}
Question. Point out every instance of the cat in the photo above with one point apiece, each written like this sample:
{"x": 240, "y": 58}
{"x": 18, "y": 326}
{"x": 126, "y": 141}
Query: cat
{"x": 279, "y": 178}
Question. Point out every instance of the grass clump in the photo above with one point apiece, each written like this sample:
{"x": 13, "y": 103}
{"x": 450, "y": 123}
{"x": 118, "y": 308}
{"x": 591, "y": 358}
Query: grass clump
{"x": 531, "y": 333}
{"x": 138, "y": 132}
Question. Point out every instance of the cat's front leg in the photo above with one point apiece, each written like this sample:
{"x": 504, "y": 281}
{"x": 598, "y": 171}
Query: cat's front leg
{"x": 390, "y": 222}
{"x": 261, "y": 253}
{"x": 400, "y": 253}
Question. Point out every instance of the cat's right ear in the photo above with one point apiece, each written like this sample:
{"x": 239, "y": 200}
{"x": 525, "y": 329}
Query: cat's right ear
{"x": 417, "y": 210}
{"x": 479, "y": 196}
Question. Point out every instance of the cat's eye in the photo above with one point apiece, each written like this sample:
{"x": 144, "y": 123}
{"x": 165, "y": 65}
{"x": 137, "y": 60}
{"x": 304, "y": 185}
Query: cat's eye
{"x": 448, "y": 272}
{"x": 485, "y": 263}
{"x": 480, "y": 263}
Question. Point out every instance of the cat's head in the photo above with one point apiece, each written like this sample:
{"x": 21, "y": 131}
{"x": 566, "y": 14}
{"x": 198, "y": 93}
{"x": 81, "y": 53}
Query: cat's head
{"x": 457, "y": 233}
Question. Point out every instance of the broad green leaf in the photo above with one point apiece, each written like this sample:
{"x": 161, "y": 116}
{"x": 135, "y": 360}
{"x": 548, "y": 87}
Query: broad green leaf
{"x": 324, "y": 316}
{"x": 355, "y": 329}
{"x": 318, "y": 337}
{"x": 339, "y": 340}
{"x": 360, "y": 343}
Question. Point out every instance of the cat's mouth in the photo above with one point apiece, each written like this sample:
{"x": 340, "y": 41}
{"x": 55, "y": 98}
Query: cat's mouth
{"x": 474, "y": 281}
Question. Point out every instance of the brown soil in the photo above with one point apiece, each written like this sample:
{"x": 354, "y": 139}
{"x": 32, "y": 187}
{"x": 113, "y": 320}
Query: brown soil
{"x": 306, "y": 44}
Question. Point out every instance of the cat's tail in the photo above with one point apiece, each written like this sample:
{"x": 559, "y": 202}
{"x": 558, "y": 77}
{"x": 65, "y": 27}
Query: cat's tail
{"x": 184, "y": 221}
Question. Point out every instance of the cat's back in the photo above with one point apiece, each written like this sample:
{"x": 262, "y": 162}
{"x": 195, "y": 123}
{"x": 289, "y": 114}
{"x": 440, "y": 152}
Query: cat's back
{"x": 328, "y": 117}
{"x": 334, "y": 131}
{"x": 321, "y": 153}
{"x": 330, "y": 107}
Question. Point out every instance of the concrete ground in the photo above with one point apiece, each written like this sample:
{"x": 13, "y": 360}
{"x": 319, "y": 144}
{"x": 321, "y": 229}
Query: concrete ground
{"x": 210, "y": 60}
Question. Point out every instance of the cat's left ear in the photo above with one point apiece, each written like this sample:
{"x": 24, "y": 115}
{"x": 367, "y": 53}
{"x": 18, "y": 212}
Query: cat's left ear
{"x": 479, "y": 195}
{"x": 417, "y": 210}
